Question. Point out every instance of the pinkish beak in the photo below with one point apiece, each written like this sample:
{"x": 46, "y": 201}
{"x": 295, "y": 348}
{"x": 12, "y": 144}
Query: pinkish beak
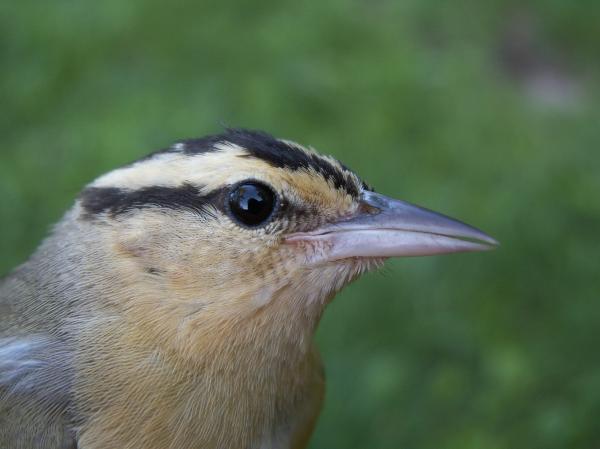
{"x": 394, "y": 228}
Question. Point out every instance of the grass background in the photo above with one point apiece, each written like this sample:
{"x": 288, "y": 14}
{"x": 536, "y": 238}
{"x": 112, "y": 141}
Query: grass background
{"x": 487, "y": 111}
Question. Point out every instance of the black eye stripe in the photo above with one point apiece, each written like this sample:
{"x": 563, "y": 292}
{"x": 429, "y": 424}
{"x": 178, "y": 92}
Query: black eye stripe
{"x": 116, "y": 201}
{"x": 257, "y": 202}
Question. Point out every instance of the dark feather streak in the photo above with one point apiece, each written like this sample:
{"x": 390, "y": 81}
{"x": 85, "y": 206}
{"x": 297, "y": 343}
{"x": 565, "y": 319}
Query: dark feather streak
{"x": 116, "y": 201}
{"x": 278, "y": 154}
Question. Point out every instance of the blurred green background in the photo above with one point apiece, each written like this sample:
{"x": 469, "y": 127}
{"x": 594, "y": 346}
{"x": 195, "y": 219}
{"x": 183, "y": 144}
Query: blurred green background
{"x": 487, "y": 111}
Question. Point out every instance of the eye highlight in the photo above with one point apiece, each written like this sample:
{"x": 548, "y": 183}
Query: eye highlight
{"x": 252, "y": 203}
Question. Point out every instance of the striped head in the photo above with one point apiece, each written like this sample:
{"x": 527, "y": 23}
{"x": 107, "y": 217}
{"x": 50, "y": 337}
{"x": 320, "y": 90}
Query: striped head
{"x": 247, "y": 219}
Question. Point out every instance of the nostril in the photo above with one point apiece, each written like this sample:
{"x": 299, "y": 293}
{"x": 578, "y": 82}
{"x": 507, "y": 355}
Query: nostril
{"x": 366, "y": 208}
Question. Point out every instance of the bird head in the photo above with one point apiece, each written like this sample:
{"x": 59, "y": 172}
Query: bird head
{"x": 175, "y": 303}
{"x": 234, "y": 223}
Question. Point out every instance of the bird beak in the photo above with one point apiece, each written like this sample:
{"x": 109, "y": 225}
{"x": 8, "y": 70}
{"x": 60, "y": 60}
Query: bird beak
{"x": 386, "y": 227}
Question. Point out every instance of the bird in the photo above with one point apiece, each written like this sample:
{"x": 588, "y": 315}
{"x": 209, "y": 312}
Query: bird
{"x": 175, "y": 303}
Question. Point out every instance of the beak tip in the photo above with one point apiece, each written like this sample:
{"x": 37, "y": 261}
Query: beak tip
{"x": 490, "y": 241}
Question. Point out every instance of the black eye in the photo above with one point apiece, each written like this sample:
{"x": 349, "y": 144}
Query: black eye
{"x": 252, "y": 203}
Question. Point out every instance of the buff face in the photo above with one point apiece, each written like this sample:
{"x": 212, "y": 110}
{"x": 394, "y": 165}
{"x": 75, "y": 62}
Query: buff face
{"x": 176, "y": 217}
{"x": 208, "y": 220}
